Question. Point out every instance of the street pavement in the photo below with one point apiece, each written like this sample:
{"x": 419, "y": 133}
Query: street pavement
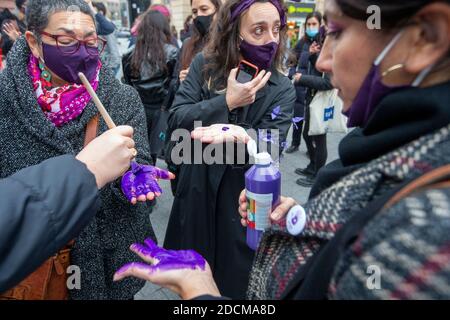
{"x": 288, "y": 164}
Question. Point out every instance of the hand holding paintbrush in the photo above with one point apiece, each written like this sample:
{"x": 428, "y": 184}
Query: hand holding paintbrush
{"x": 140, "y": 183}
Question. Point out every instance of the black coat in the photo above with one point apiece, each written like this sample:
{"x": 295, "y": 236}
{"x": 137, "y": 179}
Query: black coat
{"x": 41, "y": 212}
{"x": 205, "y": 214}
{"x": 153, "y": 84}
{"x": 302, "y": 54}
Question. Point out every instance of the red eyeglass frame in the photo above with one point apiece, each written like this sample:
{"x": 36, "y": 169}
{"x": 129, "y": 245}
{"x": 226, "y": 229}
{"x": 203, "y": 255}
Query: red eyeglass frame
{"x": 84, "y": 42}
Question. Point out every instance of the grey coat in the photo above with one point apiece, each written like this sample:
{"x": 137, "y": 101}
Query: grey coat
{"x": 28, "y": 138}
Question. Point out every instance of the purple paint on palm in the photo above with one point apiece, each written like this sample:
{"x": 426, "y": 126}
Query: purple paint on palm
{"x": 162, "y": 259}
{"x": 141, "y": 180}
{"x": 225, "y": 128}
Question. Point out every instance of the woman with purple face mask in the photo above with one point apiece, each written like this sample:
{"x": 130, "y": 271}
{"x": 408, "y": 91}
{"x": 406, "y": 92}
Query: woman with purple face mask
{"x": 46, "y": 112}
{"x": 204, "y": 215}
{"x": 357, "y": 243}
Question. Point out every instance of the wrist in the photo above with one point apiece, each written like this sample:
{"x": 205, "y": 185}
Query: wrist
{"x": 198, "y": 286}
{"x": 231, "y": 106}
{"x": 93, "y": 169}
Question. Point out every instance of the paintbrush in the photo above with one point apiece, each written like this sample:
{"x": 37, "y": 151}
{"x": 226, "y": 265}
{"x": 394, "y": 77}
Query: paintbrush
{"x": 101, "y": 108}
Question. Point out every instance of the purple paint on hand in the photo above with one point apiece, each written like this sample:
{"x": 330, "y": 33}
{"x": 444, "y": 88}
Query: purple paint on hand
{"x": 225, "y": 128}
{"x": 162, "y": 259}
{"x": 141, "y": 180}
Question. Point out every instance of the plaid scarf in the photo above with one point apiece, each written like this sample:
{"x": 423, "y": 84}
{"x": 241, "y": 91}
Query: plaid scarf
{"x": 280, "y": 255}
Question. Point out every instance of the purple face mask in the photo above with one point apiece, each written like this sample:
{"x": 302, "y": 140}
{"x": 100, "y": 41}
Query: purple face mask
{"x": 67, "y": 66}
{"x": 261, "y": 56}
{"x": 373, "y": 90}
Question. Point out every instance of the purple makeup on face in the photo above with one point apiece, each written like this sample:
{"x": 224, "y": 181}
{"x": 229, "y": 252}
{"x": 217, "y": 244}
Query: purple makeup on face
{"x": 334, "y": 28}
{"x": 163, "y": 260}
{"x": 141, "y": 180}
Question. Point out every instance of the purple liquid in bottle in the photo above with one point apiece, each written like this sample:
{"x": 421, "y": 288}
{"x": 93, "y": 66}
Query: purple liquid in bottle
{"x": 263, "y": 189}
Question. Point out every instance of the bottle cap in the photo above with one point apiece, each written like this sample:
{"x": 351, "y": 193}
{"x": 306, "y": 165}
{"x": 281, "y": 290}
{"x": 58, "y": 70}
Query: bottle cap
{"x": 296, "y": 220}
{"x": 263, "y": 158}
{"x": 252, "y": 148}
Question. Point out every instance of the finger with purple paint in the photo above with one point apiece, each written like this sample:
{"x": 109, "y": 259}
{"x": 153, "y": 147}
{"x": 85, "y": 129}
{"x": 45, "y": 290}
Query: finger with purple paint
{"x": 140, "y": 183}
{"x": 185, "y": 272}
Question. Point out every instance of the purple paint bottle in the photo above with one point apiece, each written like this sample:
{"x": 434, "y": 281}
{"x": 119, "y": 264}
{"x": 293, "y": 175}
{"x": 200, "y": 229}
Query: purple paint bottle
{"x": 263, "y": 189}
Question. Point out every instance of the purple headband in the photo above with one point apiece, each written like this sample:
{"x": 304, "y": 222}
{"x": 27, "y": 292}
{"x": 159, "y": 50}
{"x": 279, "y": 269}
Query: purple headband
{"x": 245, "y": 4}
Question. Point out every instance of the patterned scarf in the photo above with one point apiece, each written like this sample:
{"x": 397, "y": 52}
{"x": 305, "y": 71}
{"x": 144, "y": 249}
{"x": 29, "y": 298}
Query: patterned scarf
{"x": 61, "y": 104}
{"x": 281, "y": 255}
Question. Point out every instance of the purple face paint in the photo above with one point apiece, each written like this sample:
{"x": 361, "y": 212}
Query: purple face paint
{"x": 163, "y": 260}
{"x": 141, "y": 180}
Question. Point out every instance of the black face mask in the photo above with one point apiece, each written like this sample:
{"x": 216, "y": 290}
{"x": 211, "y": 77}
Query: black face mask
{"x": 202, "y": 24}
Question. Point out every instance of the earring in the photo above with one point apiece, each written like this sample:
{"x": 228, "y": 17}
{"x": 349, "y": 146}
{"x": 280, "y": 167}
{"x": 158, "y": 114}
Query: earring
{"x": 44, "y": 73}
{"x": 393, "y": 68}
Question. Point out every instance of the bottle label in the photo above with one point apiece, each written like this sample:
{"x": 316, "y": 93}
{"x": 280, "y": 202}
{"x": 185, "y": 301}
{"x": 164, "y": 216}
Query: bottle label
{"x": 259, "y": 207}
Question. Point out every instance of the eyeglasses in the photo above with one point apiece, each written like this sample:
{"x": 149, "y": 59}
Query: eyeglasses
{"x": 69, "y": 45}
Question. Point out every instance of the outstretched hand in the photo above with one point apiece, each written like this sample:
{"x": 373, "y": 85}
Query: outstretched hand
{"x": 185, "y": 272}
{"x": 220, "y": 133}
{"x": 141, "y": 182}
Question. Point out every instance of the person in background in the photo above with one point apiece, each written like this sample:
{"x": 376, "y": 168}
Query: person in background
{"x": 104, "y": 26}
{"x": 111, "y": 54}
{"x": 314, "y": 81}
{"x": 12, "y": 25}
{"x": 301, "y": 50}
{"x": 149, "y": 66}
{"x": 166, "y": 13}
{"x": 203, "y": 13}
{"x": 187, "y": 28}
{"x": 174, "y": 31}
{"x": 41, "y": 212}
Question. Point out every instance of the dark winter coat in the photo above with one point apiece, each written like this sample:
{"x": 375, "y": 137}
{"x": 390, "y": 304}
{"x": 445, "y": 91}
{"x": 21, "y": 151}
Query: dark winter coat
{"x": 153, "y": 85}
{"x": 205, "y": 214}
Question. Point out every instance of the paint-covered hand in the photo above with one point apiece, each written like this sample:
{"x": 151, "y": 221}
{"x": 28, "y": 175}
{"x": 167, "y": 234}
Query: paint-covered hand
{"x": 185, "y": 272}
{"x": 220, "y": 133}
{"x": 141, "y": 182}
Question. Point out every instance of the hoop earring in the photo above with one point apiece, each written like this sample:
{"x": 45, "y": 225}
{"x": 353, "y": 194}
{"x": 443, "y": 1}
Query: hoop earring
{"x": 44, "y": 73}
{"x": 393, "y": 68}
